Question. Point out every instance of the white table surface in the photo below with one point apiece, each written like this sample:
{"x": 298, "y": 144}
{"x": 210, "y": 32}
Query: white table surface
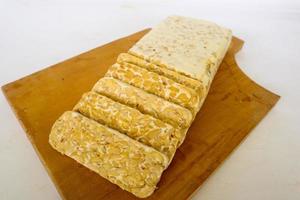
{"x": 35, "y": 34}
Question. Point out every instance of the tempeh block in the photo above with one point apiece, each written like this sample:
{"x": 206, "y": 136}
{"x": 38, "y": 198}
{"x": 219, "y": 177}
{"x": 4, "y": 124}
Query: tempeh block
{"x": 189, "y": 46}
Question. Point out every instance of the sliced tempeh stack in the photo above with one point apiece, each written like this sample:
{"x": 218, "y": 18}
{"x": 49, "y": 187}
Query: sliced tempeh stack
{"x": 128, "y": 127}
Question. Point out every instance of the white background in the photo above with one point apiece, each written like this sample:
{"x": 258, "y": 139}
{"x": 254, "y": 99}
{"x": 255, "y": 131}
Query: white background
{"x": 35, "y": 34}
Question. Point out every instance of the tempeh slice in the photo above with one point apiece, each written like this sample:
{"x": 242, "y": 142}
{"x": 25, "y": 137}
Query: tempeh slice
{"x": 131, "y": 165}
{"x": 156, "y": 84}
{"x": 177, "y": 77}
{"x": 145, "y": 102}
{"x": 143, "y": 128}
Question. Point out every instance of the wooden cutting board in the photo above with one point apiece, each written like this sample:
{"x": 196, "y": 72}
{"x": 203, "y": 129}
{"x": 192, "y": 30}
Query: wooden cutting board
{"x": 234, "y": 106}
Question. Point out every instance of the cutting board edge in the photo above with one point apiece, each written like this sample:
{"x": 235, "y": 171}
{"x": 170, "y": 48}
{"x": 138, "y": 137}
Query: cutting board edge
{"x": 6, "y": 86}
{"x": 237, "y": 146}
{"x": 239, "y": 143}
{"x": 5, "y": 89}
{"x": 249, "y": 79}
{"x": 43, "y": 163}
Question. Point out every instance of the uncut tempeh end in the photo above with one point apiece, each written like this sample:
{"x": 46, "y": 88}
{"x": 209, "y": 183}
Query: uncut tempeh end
{"x": 143, "y": 128}
{"x": 156, "y": 84}
{"x": 189, "y": 46}
{"x": 177, "y": 77}
{"x": 129, "y": 164}
{"x": 145, "y": 102}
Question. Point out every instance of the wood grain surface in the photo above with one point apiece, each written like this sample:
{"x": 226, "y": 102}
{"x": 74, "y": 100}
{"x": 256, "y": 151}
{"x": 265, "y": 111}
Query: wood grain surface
{"x": 234, "y": 106}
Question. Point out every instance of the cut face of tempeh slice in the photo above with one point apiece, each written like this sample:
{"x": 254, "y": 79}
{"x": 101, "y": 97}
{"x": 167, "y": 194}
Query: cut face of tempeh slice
{"x": 143, "y": 128}
{"x": 123, "y": 161}
{"x": 156, "y": 84}
{"x": 180, "y": 78}
{"x": 147, "y": 103}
